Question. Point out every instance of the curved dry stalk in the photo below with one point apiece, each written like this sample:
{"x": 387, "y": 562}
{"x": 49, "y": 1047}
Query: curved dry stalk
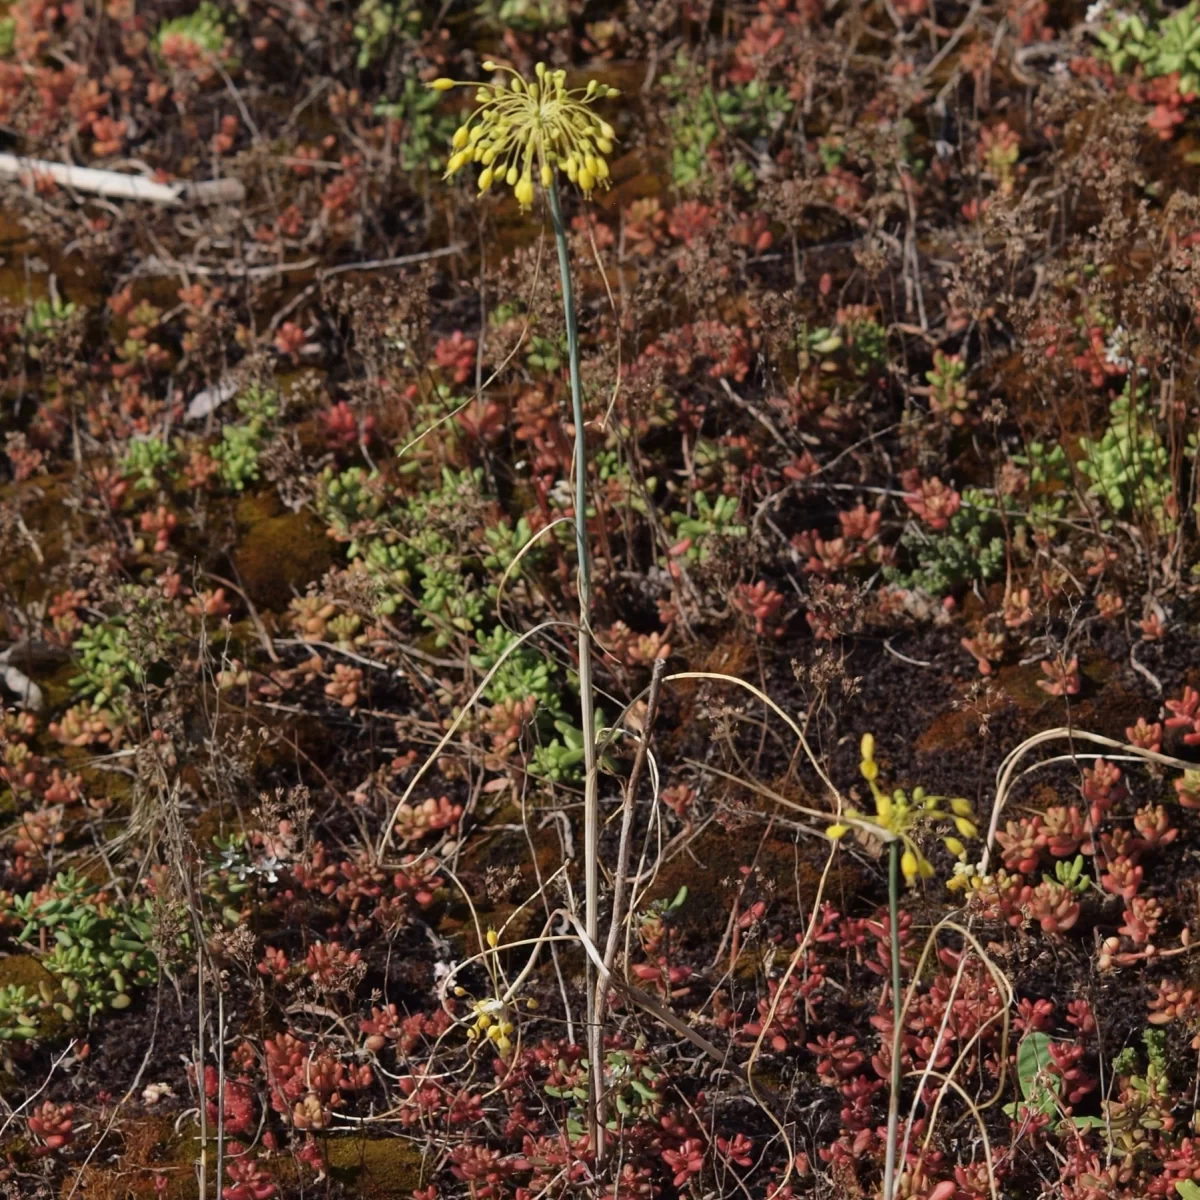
{"x": 759, "y": 694}
{"x": 432, "y": 757}
{"x": 797, "y": 955}
{"x": 1002, "y": 983}
{"x": 516, "y": 562}
{"x": 616, "y": 917}
{"x": 479, "y": 391}
{"x": 1004, "y": 773}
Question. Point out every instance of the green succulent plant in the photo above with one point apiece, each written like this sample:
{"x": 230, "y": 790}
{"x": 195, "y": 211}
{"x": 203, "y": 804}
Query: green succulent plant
{"x": 712, "y": 522}
{"x": 237, "y": 452}
{"x": 145, "y": 459}
{"x": 1129, "y": 465}
{"x": 99, "y": 949}
{"x": 971, "y": 548}
{"x": 108, "y": 665}
{"x": 523, "y": 673}
{"x": 698, "y": 116}
{"x": 377, "y": 22}
{"x": 1159, "y": 45}
{"x": 18, "y": 1013}
{"x": 204, "y": 28}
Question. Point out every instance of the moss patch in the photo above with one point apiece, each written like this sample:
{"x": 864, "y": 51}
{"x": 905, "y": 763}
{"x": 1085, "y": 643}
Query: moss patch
{"x": 278, "y": 552}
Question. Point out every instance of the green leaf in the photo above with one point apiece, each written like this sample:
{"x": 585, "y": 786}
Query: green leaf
{"x": 1188, "y": 1189}
{"x": 1033, "y": 1056}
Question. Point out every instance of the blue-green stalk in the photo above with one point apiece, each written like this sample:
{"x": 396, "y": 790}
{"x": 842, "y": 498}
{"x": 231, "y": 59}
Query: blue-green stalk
{"x": 591, "y": 803}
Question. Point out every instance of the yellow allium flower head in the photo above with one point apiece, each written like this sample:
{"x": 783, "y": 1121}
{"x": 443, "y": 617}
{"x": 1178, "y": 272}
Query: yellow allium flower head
{"x": 898, "y": 815}
{"x": 526, "y": 131}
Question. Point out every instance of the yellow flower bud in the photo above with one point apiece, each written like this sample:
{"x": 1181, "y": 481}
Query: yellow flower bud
{"x": 909, "y": 865}
{"x": 925, "y": 867}
{"x": 589, "y": 161}
{"x": 488, "y": 156}
{"x": 442, "y": 85}
{"x": 493, "y": 938}
{"x": 461, "y": 134}
{"x": 488, "y": 65}
{"x": 547, "y": 175}
{"x": 965, "y": 827}
{"x": 503, "y": 1045}
{"x": 458, "y": 161}
{"x": 960, "y": 807}
{"x": 483, "y": 1021}
{"x": 869, "y": 769}
{"x": 883, "y": 810}
{"x": 956, "y": 848}
{"x": 524, "y": 191}
{"x": 604, "y": 145}
{"x": 866, "y": 747}
{"x": 533, "y": 91}
{"x": 517, "y": 84}
{"x": 485, "y": 179}
{"x": 837, "y": 831}
{"x": 539, "y": 69}
{"x": 511, "y": 176}
{"x": 532, "y": 1004}
{"x": 601, "y": 169}
{"x": 587, "y": 180}
{"x": 606, "y": 130}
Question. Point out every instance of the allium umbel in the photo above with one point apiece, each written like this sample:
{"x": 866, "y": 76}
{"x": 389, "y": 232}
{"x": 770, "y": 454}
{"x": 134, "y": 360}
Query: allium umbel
{"x": 899, "y": 813}
{"x": 543, "y": 124}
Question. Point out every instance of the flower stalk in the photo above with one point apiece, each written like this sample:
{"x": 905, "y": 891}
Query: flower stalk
{"x": 524, "y": 133}
{"x": 897, "y": 818}
{"x": 587, "y": 703}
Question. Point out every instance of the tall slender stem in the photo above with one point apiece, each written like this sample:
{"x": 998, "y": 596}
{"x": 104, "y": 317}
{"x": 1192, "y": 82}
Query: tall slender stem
{"x": 591, "y": 802}
{"x": 893, "y": 1133}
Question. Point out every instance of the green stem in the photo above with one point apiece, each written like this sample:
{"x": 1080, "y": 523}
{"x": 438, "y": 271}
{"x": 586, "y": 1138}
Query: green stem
{"x": 893, "y": 1131}
{"x": 591, "y": 803}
